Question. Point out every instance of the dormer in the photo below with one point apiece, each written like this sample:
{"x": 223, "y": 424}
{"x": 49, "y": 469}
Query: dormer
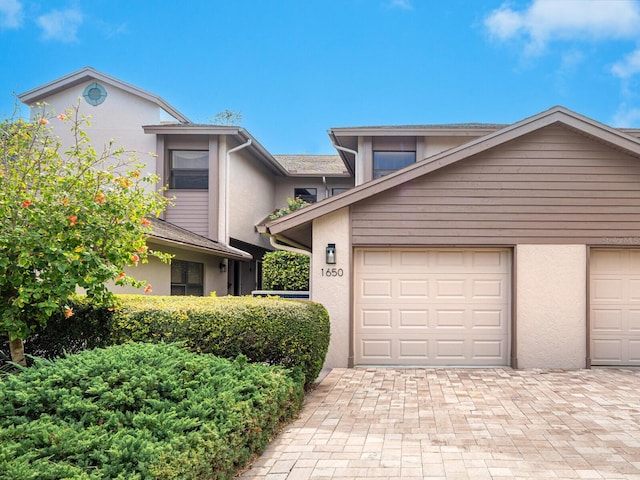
{"x": 372, "y": 152}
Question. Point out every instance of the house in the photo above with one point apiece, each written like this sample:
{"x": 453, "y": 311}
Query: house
{"x": 480, "y": 245}
{"x": 222, "y": 180}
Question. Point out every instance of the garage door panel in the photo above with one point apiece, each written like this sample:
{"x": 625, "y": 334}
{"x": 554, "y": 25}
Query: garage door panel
{"x": 376, "y": 318}
{"x": 413, "y": 318}
{"x": 488, "y": 319}
{"x": 489, "y": 350}
{"x": 614, "y": 310}
{"x": 413, "y": 288}
{"x": 438, "y": 307}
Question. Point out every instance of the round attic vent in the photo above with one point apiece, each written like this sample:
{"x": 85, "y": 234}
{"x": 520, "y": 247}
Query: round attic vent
{"x": 94, "y": 94}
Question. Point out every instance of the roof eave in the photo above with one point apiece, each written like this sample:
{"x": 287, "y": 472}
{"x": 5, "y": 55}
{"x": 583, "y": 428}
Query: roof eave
{"x": 551, "y": 116}
{"x": 39, "y": 93}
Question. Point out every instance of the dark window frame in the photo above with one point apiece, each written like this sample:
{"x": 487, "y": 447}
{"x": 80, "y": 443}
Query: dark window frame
{"x": 381, "y": 172}
{"x": 308, "y": 196}
{"x": 188, "y": 178}
{"x": 183, "y": 285}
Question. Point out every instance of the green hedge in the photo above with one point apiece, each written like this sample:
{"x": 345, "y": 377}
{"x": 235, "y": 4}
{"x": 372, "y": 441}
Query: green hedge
{"x": 141, "y": 411}
{"x": 283, "y": 270}
{"x": 294, "y": 334}
{"x": 269, "y": 330}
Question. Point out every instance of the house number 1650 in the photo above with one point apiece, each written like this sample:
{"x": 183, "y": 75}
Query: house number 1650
{"x": 332, "y": 272}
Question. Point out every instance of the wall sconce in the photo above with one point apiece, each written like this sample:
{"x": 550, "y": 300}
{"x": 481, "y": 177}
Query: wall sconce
{"x": 331, "y": 254}
{"x": 223, "y": 266}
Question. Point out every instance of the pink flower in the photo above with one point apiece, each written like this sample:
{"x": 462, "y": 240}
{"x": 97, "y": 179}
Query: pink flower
{"x": 68, "y": 312}
{"x": 147, "y": 289}
{"x": 100, "y": 198}
{"x": 72, "y": 219}
{"x": 43, "y": 121}
{"x": 145, "y": 222}
{"x": 62, "y": 116}
{"x": 121, "y": 275}
{"x": 135, "y": 258}
{"x": 26, "y": 203}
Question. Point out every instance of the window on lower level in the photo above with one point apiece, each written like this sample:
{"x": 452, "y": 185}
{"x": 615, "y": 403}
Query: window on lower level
{"x": 336, "y": 191}
{"x": 187, "y": 278}
{"x": 189, "y": 169}
{"x": 309, "y": 195}
{"x": 385, "y": 163}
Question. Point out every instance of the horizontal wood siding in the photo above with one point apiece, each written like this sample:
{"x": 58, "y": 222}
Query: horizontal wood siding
{"x": 552, "y": 186}
{"x": 190, "y": 210}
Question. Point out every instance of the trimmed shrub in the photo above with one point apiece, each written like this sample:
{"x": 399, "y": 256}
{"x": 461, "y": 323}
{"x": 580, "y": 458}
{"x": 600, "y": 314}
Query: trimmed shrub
{"x": 140, "y": 411}
{"x": 283, "y": 270}
{"x": 294, "y": 334}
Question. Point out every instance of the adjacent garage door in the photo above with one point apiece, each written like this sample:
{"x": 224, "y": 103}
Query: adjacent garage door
{"x": 432, "y": 306}
{"x": 615, "y": 306}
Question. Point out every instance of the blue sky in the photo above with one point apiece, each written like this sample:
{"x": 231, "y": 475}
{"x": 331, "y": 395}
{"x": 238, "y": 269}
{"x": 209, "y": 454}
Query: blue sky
{"x": 295, "y": 68}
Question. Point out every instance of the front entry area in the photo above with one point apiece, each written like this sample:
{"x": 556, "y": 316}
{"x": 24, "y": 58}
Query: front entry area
{"x": 432, "y": 306}
{"x": 615, "y": 306}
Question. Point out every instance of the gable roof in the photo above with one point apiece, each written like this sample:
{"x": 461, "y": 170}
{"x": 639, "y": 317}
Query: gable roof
{"x": 238, "y": 133}
{"x": 297, "y": 225}
{"x": 165, "y": 233}
{"x": 87, "y": 73}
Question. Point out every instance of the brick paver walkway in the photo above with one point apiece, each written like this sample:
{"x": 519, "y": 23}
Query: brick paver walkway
{"x": 462, "y": 424}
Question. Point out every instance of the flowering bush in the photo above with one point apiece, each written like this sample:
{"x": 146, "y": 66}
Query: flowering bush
{"x": 68, "y": 218}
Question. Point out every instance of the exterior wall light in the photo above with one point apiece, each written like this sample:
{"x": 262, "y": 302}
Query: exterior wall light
{"x": 223, "y": 266}
{"x": 331, "y": 254}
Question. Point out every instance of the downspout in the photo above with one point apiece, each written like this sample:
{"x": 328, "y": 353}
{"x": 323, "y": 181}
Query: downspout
{"x": 226, "y": 193}
{"x": 357, "y": 167}
{"x": 326, "y": 187}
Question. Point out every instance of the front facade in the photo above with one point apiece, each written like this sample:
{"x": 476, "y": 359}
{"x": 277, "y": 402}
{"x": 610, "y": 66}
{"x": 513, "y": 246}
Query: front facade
{"x": 223, "y": 182}
{"x": 434, "y": 245}
{"x": 519, "y": 247}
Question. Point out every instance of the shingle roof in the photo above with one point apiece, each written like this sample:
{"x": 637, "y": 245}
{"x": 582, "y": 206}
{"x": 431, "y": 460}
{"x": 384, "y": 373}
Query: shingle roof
{"x": 169, "y": 233}
{"x": 313, "y": 164}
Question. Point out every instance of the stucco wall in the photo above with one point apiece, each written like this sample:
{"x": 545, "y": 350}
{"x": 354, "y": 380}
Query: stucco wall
{"x": 551, "y": 306}
{"x": 285, "y": 187}
{"x": 328, "y": 287}
{"x": 120, "y": 117}
{"x": 158, "y": 274}
{"x": 251, "y": 200}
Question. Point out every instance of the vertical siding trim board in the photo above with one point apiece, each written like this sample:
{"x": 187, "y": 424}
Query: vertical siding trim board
{"x": 514, "y": 307}
{"x": 587, "y": 335}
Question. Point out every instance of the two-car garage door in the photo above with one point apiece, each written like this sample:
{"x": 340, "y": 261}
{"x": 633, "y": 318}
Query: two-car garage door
{"x": 420, "y": 306}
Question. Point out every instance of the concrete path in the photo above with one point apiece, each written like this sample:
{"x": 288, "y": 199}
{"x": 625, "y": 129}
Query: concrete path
{"x": 462, "y": 424}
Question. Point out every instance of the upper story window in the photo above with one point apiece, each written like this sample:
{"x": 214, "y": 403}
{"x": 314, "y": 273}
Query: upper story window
{"x": 189, "y": 169}
{"x": 309, "y": 195}
{"x": 387, "y": 162}
{"x": 187, "y": 278}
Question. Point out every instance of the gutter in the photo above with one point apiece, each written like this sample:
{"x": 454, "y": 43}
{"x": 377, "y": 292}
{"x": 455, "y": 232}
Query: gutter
{"x": 357, "y": 167}
{"x": 287, "y": 248}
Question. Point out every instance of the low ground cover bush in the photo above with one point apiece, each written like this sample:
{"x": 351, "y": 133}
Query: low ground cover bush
{"x": 139, "y": 411}
{"x": 294, "y": 334}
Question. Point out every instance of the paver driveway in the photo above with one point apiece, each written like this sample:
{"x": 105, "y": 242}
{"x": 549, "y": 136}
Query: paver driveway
{"x": 462, "y": 424}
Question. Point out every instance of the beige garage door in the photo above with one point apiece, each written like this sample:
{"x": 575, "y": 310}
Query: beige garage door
{"x": 432, "y": 306}
{"x": 615, "y": 306}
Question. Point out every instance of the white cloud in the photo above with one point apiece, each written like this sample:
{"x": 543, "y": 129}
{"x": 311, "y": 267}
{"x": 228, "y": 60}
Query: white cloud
{"x": 628, "y": 66}
{"x": 545, "y": 21}
{"x": 400, "y": 4}
{"x": 626, "y": 116}
{"x": 61, "y": 25}
{"x": 11, "y": 15}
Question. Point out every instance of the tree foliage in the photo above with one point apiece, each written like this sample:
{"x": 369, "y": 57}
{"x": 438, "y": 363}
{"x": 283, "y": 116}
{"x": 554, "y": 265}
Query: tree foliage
{"x": 69, "y": 217}
{"x": 293, "y": 204}
{"x": 282, "y": 270}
